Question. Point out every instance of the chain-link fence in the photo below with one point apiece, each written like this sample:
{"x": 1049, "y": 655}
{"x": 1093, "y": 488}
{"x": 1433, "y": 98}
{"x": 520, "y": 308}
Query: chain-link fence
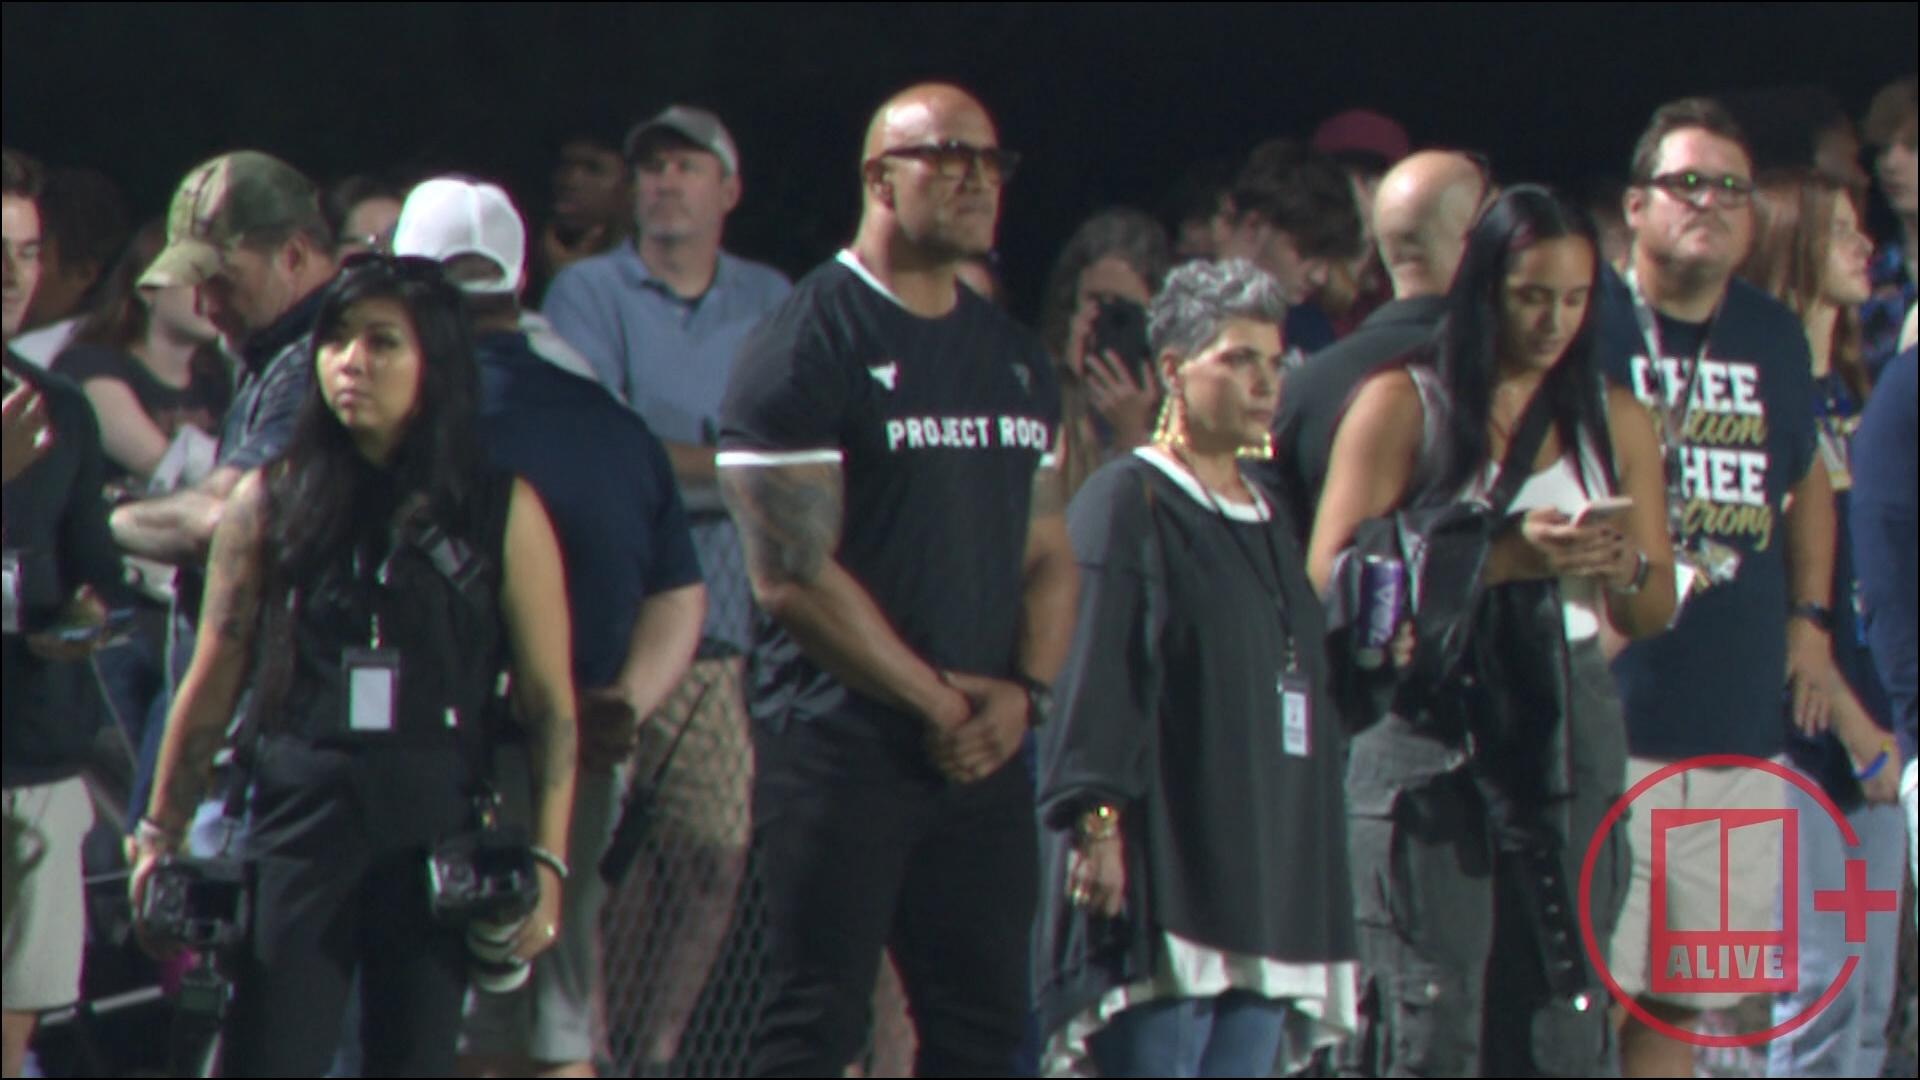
{"x": 683, "y": 966}
{"x": 681, "y": 935}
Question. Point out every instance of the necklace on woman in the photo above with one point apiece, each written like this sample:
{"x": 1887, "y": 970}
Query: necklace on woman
{"x": 1291, "y": 687}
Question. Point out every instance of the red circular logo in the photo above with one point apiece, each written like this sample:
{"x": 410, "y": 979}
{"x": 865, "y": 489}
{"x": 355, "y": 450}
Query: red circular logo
{"x": 1725, "y": 960}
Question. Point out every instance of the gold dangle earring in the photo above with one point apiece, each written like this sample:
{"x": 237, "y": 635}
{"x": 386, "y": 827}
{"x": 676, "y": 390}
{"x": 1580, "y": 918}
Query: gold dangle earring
{"x": 1171, "y": 429}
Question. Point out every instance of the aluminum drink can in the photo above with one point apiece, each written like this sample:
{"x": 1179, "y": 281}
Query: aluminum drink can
{"x": 1383, "y": 595}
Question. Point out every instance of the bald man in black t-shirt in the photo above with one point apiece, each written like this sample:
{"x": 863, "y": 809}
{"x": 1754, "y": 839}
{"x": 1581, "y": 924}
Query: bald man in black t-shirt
{"x": 886, "y": 451}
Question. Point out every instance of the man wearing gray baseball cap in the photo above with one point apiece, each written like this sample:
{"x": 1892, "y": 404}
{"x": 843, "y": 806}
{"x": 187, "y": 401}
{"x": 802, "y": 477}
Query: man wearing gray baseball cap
{"x": 661, "y": 320}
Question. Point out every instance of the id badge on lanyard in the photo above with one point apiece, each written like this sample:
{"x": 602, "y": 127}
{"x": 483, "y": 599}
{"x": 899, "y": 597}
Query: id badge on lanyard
{"x": 371, "y": 676}
{"x": 372, "y": 679}
{"x": 1296, "y": 715}
{"x": 1700, "y": 563}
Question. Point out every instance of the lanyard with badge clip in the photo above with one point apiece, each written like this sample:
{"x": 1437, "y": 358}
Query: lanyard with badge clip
{"x": 1296, "y": 712}
{"x": 1706, "y": 562}
{"x": 372, "y": 674}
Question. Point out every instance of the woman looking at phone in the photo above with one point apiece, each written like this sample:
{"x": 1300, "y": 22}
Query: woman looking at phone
{"x": 1518, "y": 335}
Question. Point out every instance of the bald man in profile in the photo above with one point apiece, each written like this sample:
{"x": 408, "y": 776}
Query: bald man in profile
{"x": 886, "y": 450}
{"x": 1422, "y": 212}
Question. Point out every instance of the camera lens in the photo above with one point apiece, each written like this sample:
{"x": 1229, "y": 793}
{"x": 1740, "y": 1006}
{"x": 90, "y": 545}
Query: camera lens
{"x": 494, "y": 969}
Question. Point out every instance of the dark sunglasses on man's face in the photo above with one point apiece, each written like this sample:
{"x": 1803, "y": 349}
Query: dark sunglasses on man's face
{"x": 1693, "y": 187}
{"x": 953, "y": 159}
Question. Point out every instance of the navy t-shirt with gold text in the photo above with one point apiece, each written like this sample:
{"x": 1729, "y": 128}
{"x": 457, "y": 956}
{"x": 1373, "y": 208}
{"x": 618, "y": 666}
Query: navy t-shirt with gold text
{"x": 1714, "y": 683}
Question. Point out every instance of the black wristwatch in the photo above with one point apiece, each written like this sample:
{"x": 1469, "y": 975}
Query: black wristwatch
{"x": 1819, "y": 615}
{"x": 1039, "y": 699}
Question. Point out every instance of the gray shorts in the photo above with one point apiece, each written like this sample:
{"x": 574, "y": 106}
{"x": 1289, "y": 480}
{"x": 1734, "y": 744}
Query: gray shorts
{"x": 45, "y": 901}
{"x": 550, "y": 1019}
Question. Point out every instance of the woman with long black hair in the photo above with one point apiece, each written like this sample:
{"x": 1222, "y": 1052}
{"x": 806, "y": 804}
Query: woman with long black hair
{"x": 367, "y": 588}
{"x": 1449, "y": 815}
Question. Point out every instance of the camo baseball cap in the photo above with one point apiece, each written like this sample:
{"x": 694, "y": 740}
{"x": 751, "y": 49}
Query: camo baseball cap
{"x": 219, "y": 203}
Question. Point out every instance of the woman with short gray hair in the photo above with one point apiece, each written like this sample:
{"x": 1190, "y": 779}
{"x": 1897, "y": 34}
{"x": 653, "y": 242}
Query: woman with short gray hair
{"x": 1195, "y": 919}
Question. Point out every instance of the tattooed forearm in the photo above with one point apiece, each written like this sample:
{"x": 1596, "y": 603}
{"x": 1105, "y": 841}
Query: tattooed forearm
{"x": 788, "y": 517}
{"x": 233, "y": 571}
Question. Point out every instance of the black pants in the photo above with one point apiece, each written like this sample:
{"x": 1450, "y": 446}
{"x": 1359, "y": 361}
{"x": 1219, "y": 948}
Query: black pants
{"x": 1454, "y": 982}
{"x": 863, "y": 847}
{"x": 337, "y": 845}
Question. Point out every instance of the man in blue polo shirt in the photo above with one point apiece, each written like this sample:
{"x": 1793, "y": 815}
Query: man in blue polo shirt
{"x": 633, "y": 588}
{"x": 660, "y": 320}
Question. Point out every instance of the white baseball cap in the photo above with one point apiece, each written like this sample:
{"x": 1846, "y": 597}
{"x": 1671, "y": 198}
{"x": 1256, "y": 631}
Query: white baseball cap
{"x": 446, "y": 217}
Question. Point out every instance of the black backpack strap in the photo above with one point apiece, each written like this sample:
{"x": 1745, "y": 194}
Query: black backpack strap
{"x": 1517, "y": 466}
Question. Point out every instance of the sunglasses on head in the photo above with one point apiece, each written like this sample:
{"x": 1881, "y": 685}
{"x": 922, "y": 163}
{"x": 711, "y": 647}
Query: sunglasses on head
{"x": 405, "y": 267}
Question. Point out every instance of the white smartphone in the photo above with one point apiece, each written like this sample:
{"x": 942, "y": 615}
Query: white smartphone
{"x": 1602, "y": 509}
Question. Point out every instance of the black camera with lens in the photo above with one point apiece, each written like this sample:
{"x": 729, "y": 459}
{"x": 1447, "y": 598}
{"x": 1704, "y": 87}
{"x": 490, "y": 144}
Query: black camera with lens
{"x": 201, "y": 904}
{"x": 483, "y": 875}
{"x": 485, "y": 880}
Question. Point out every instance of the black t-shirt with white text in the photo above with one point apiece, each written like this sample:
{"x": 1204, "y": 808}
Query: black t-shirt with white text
{"x": 938, "y": 426}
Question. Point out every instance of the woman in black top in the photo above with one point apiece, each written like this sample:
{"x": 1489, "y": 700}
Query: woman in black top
{"x": 1196, "y": 882}
{"x": 149, "y": 363}
{"x": 150, "y": 367}
{"x": 380, "y": 538}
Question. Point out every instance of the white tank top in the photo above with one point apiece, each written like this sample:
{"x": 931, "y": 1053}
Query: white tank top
{"x": 1558, "y": 486}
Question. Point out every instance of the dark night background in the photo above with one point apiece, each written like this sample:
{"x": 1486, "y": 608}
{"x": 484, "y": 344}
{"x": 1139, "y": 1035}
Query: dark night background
{"x": 1109, "y": 102}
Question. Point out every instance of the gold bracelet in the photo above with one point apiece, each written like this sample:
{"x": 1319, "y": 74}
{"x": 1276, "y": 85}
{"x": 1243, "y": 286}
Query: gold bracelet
{"x": 1102, "y": 822}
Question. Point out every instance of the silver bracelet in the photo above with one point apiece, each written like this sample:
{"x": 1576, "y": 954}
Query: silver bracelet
{"x": 1640, "y": 571}
{"x": 554, "y": 862}
{"x": 153, "y": 834}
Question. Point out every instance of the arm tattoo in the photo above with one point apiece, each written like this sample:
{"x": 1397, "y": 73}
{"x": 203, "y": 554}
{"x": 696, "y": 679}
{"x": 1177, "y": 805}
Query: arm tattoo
{"x": 233, "y": 563}
{"x": 788, "y": 517}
